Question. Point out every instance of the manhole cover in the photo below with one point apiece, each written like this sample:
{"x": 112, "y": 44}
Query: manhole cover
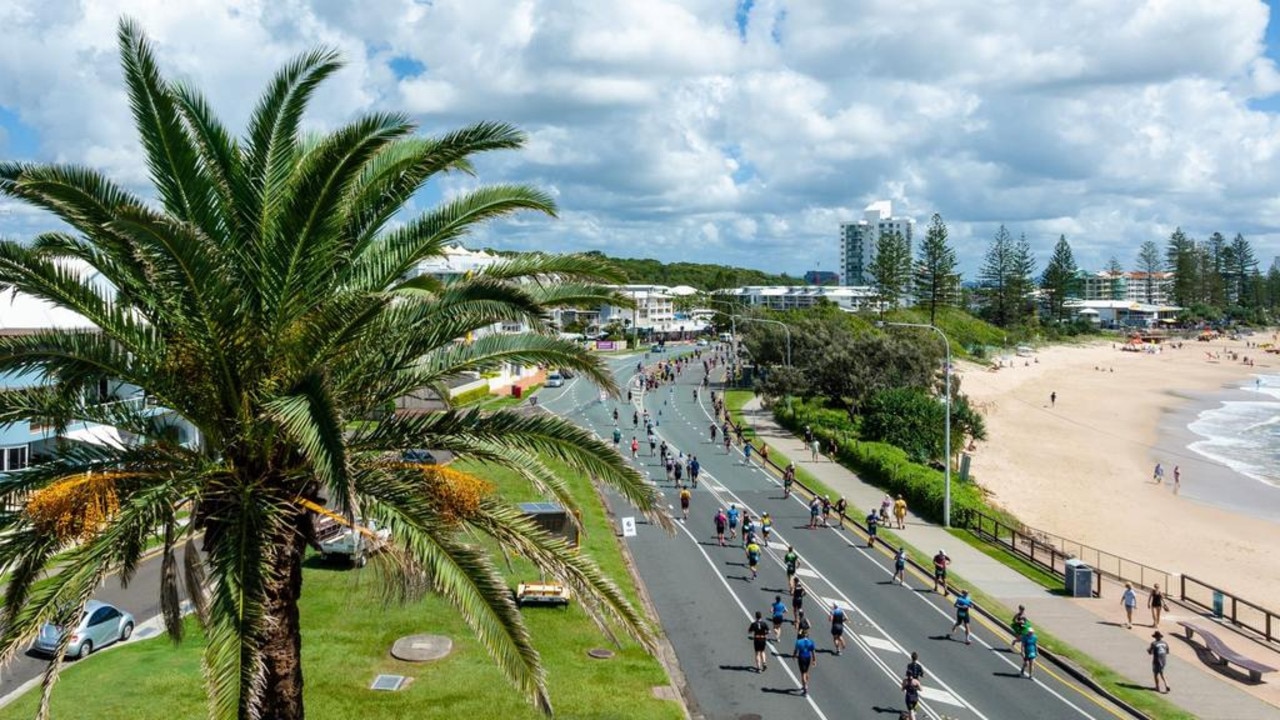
{"x": 421, "y": 648}
{"x": 750, "y": 716}
{"x": 388, "y": 682}
{"x": 600, "y": 653}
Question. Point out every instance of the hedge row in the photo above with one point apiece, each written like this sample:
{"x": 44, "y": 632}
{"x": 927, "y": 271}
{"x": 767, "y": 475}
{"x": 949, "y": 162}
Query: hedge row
{"x": 471, "y": 396}
{"x": 888, "y": 468}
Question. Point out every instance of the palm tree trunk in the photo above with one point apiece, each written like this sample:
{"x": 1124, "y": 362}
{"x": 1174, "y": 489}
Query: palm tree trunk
{"x": 280, "y": 642}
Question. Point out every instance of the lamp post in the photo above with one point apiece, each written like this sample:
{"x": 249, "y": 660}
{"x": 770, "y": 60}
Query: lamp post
{"x": 946, "y": 433}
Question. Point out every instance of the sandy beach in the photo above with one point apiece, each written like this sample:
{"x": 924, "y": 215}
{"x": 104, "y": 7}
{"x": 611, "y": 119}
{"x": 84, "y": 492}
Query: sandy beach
{"x": 1082, "y": 467}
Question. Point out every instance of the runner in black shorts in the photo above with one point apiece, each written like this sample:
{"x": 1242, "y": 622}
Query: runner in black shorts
{"x": 837, "y": 628}
{"x": 797, "y": 597}
{"x": 779, "y": 616}
{"x": 758, "y": 631}
{"x": 940, "y": 562}
{"x": 791, "y": 560}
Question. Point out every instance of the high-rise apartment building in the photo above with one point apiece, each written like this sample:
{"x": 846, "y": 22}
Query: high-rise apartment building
{"x": 859, "y": 240}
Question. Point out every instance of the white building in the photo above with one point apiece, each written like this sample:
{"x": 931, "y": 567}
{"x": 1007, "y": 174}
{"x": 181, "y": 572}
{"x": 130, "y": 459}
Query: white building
{"x": 655, "y": 308}
{"x": 799, "y": 297}
{"x": 1122, "y": 313}
{"x": 859, "y": 240}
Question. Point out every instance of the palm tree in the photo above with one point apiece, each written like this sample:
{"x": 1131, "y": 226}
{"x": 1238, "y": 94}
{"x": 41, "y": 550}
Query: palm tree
{"x": 265, "y": 300}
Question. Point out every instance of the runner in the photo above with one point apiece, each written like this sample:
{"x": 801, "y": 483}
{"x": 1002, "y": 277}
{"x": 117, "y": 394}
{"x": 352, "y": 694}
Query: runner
{"x": 805, "y": 653}
{"x": 694, "y": 468}
{"x": 677, "y": 468}
{"x": 779, "y": 616}
{"x": 915, "y": 670}
{"x": 815, "y": 507}
{"x": 635, "y": 416}
{"x": 753, "y": 558}
{"x": 837, "y": 627}
{"x": 653, "y": 443}
{"x": 826, "y": 510}
{"x": 662, "y": 449}
{"x": 802, "y": 623}
{"x": 1029, "y": 651}
{"x": 748, "y": 527}
{"x": 615, "y": 416}
{"x": 788, "y": 479}
{"x": 873, "y": 522}
{"x": 720, "y": 520}
{"x": 617, "y": 437}
{"x": 758, "y": 631}
{"x": 940, "y": 562}
{"x": 746, "y": 453}
{"x": 685, "y": 497}
{"x": 635, "y": 447}
{"x": 841, "y": 506}
{"x": 733, "y": 521}
{"x": 726, "y": 445}
{"x": 797, "y": 598}
{"x": 900, "y": 511}
{"x": 910, "y": 696}
{"x": 713, "y": 433}
{"x": 791, "y": 561}
{"x": 766, "y": 527}
{"x": 963, "y": 604}
{"x": 1019, "y": 624}
{"x": 900, "y": 566}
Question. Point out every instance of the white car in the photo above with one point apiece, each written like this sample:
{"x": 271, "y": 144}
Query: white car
{"x": 702, "y": 342}
{"x": 555, "y": 379}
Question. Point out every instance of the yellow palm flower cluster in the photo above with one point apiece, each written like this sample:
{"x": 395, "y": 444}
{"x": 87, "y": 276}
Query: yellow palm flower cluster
{"x": 75, "y": 507}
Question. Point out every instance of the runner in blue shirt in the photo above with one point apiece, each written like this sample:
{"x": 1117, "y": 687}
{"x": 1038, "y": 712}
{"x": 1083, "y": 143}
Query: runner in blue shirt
{"x": 746, "y": 453}
{"x": 963, "y": 604}
{"x": 733, "y": 521}
{"x": 806, "y": 657}
{"x": 837, "y": 627}
{"x": 900, "y": 567}
{"x": 873, "y": 522}
{"x": 694, "y": 468}
{"x": 1029, "y": 650}
{"x": 779, "y": 616}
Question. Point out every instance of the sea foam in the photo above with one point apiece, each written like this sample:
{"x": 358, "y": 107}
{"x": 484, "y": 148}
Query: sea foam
{"x": 1244, "y": 435}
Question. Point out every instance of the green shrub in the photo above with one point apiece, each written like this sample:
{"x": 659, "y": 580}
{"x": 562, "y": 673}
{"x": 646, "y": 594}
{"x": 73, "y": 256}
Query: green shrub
{"x": 471, "y": 396}
{"x": 909, "y": 418}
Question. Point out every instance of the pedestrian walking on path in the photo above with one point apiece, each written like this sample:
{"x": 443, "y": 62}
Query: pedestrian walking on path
{"x": 1155, "y": 601}
{"x": 1159, "y": 652}
{"x": 900, "y": 512}
{"x": 813, "y": 449}
{"x": 963, "y": 604}
{"x": 1030, "y": 649}
{"x": 758, "y": 631}
{"x": 940, "y": 563}
{"x": 1130, "y": 601}
{"x": 806, "y": 657}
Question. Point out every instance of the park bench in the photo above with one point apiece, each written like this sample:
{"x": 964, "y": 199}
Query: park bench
{"x": 1216, "y": 646}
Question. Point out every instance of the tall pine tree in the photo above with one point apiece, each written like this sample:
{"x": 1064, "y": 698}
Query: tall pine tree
{"x": 997, "y": 267}
{"x": 1060, "y": 281}
{"x": 1149, "y": 265}
{"x": 1180, "y": 259}
{"x": 891, "y": 269}
{"x": 936, "y": 281}
{"x": 1022, "y": 280}
{"x": 1243, "y": 265}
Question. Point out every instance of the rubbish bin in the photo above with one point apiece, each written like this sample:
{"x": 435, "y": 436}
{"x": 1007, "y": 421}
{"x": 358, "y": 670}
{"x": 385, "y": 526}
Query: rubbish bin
{"x": 517, "y": 391}
{"x": 1079, "y": 578}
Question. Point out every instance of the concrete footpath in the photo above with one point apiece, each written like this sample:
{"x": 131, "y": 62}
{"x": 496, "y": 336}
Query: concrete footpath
{"x": 1077, "y": 621}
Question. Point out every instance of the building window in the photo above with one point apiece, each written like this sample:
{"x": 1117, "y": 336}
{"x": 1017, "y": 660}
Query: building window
{"x": 15, "y": 458}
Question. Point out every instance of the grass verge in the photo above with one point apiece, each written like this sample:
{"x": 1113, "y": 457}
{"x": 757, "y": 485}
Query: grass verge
{"x": 348, "y": 631}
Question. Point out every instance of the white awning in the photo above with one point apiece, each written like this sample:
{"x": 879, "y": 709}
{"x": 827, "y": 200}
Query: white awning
{"x": 104, "y": 435}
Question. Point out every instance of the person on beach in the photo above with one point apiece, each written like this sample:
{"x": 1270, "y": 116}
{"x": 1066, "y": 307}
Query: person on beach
{"x": 1177, "y": 479}
{"x": 1157, "y": 475}
{"x": 940, "y": 563}
{"x": 1030, "y": 649}
{"x": 1159, "y": 652}
{"x": 1155, "y": 601}
{"x": 1130, "y": 601}
{"x": 758, "y": 631}
{"x": 806, "y": 657}
{"x": 1053, "y": 398}
{"x": 900, "y": 511}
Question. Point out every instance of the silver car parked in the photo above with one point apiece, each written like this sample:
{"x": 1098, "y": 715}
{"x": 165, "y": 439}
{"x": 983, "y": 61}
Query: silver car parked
{"x": 99, "y": 626}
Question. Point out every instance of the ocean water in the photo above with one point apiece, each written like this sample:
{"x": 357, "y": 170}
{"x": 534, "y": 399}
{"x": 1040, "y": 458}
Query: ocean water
{"x": 1244, "y": 435}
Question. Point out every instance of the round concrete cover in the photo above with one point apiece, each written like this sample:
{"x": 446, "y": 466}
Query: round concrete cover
{"x": 421, "y": 648}
{"x": 600, "y": 653}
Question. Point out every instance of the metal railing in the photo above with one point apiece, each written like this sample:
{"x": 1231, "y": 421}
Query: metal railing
{"x": 1238, "y": 611}
{"x": 1043, "y": 550}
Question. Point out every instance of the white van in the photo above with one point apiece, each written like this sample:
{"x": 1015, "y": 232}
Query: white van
{"x": 555, "y": 379}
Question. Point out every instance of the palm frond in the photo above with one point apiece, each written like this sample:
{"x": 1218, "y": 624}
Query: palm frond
{"x": 309, "y": 416}
{"x": 568, "y": 267}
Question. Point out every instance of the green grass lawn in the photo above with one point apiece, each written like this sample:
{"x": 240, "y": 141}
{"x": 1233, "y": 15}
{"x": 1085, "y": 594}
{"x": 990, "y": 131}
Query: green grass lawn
{"x": 347, "y": 633}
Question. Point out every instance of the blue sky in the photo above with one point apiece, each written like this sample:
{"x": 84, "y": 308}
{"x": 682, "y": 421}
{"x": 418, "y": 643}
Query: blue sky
{"x": 737, "y": 131}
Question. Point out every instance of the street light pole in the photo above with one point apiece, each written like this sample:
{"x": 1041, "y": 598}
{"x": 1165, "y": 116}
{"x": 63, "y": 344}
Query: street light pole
{"x": 946, "y": 432}
{"x": 785, "y": 326}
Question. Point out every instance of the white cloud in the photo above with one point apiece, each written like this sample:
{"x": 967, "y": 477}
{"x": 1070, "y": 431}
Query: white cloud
{"x": 662, "y": 131}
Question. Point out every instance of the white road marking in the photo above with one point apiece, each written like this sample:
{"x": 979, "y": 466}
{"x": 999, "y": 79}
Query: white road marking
{"x": 939, "y": 695}
{"x": 806, "y": 572}
{"x": 882, "y": 644}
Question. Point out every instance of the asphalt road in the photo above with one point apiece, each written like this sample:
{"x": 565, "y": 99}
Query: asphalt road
{"x": 705, "y": 598}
